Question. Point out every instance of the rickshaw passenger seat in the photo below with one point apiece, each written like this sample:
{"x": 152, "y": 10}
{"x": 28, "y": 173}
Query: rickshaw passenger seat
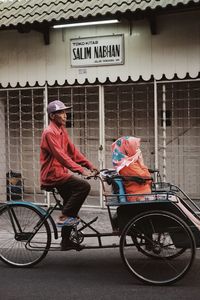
{"x": 112, "y": 178}
{"x": 118, "y": 188}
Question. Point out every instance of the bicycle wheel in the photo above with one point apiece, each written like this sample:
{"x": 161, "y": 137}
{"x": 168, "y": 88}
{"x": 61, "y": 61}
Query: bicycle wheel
{"x": 19, "y": 246}
{"x": 141, "y": 234}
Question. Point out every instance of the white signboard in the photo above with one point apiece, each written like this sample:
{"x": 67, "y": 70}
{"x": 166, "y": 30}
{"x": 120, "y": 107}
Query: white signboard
{"x": 97, "y": 51}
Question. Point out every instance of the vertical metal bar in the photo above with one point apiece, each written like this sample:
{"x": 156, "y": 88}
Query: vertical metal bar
{"x": 156, "y": 124}
{"x": 118, "y": 112}
{"x": 8, "y": 143}
{"x": 45, "y": 104}
{"x": 33, "y": 141}
{"x": 86, "y": 121}
{"x": 173, "y": 167}
{"x": 164, "y": 129}
{"x": 188, "y": 106}
{"x": 188, "y": 137}
{"x": 72, "y": 113}
{"x": 101, "y": 137}
{"x": 132, "y": 108}
{"x": 21, "y": 137}
{"x": 148, "y": 133}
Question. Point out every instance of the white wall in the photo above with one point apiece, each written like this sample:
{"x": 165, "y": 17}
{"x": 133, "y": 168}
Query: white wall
{"x": 173, "y": 50}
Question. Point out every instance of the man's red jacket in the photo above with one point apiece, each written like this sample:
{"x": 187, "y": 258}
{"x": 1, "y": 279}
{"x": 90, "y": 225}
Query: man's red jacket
{"x": 58, "y": 155}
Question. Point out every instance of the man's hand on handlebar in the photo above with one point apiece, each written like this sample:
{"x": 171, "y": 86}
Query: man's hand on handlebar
{"x": 87, "y": 173}
{"x": 90, "y": 173}
{"x": 95, "y": 171}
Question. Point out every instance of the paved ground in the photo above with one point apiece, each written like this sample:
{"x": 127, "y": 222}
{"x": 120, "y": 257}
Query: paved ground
{"x": 89, "y": 274}
{"x": 102, "y": 225}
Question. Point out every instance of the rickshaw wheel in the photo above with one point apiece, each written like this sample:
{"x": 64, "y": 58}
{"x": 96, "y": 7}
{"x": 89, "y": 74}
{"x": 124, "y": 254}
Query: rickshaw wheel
{"x": 165, "y": 236}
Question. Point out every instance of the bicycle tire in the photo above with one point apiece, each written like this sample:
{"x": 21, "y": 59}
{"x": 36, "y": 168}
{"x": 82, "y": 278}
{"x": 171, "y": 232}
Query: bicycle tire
{"x": 162, "y": 271}
{"x": 18, "y": 246}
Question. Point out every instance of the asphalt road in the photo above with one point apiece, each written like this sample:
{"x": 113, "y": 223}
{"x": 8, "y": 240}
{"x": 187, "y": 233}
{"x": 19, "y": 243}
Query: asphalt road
{"x": 89, "y": 275}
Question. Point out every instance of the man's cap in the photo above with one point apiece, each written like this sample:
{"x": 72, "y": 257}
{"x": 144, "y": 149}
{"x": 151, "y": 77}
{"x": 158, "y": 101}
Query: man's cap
{"x": 56, "y": 105}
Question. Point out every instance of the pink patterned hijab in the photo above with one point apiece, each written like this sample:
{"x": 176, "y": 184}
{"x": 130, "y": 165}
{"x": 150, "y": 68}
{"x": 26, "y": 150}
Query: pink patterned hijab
{"x": 126, "y": 150}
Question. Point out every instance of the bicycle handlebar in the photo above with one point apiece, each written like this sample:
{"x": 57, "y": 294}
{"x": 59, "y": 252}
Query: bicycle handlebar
{"x": 95, "y": 176}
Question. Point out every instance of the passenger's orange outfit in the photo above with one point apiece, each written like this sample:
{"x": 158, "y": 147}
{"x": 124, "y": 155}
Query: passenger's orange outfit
{"x": 128, "y": 161}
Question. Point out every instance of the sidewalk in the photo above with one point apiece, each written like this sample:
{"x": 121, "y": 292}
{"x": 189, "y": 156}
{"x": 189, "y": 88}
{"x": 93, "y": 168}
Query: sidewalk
{"x": 103, "y": 222}
{"x": 102, "y": 225}
{"x": 87, "y": 214}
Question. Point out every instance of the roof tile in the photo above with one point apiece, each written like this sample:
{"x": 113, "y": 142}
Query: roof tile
{"x": 21, "y": 11}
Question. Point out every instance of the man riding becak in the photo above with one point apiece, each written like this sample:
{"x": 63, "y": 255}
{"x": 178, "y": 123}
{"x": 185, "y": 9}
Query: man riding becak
{"x": 59, "y": 156}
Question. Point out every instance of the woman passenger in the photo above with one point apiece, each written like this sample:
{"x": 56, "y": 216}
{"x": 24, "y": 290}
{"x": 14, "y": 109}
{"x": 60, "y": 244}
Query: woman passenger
{"x": 128, "y": 161}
